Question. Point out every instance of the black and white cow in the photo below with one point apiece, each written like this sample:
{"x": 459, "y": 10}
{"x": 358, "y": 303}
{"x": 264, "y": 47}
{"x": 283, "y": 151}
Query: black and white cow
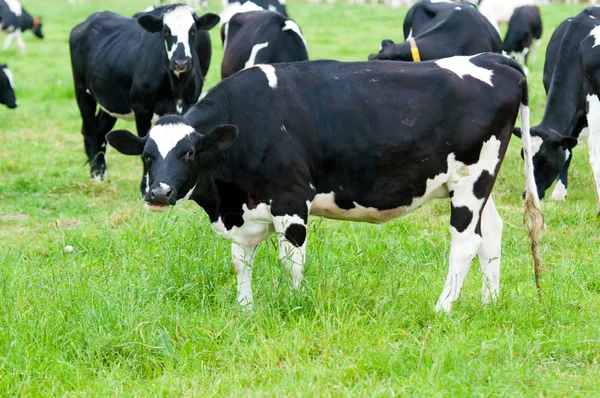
{"x": 351, "y": 141}
{"x": 524, "y": 33}
{"x": 589, "y": 52}
{"x": 134, "y": 69}
{"x": 202, "y": 42}
{"x": 455, "y": 29}
{"x": 230, "y": 8}
{"x": 564, "y": 118}
{"x": 260, "y": 37}
{"x": 7, "y": 87}
{"x": 15, "y": 21}
{"x": 419, "y": 16}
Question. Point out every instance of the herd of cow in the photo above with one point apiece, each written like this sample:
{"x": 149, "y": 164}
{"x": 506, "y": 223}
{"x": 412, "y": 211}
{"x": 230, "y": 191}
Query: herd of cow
{"x": 281, "y": 138}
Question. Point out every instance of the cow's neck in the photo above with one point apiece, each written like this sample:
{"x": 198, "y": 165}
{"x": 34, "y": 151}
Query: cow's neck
{"x": 565, "y": 103}
{"x": 185, "y": 87}
{"x": 26, "y": 21}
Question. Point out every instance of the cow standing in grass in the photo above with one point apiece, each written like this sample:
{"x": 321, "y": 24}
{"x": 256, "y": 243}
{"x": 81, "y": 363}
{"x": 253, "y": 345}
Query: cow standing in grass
{"x": 361, "y": 141}
{"x": 134, "y": 69}
{"x": 15, "y": 21}
{"x": 438, "y": 30}
{"x": 524, "y": 33}
{"x": 260, "y": 37}
{"x": 565, "y": 116}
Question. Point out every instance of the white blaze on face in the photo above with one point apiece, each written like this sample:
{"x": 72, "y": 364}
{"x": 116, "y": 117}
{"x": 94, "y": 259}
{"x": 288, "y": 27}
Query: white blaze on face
{"x": 293, "y": 26}
{"x": 179, "y": 21}
{"x": 461, "y": 66}
{"x": 10, "y": 77}
{"x": 167, "y": 136}
{"x": 536, "y": 144}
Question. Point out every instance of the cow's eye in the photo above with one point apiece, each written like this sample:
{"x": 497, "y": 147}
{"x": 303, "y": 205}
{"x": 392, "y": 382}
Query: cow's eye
{"x": 189, "y": 155}
{"x": 147, "y": 158}
{"x": 167, "y": 34}
{"x": 192, "y": 33}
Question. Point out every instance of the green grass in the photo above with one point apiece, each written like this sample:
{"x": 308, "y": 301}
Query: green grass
{"x": 146, "y": 304}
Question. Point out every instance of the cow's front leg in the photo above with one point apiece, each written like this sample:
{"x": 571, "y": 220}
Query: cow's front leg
{"x": 243, "y": 259}
{"x": 8, "y": 40}
{"x": 560, "y": 189}
{"x": 143, "y": 122}
{"x": 20, "y": 42}
{"x": 291, "y": 231}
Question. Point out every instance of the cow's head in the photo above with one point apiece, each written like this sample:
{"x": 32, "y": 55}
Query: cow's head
{"x": 178, "y": 26}
{"x": 388, "y": 51}
{"x": 37, "y": 28}
{"x": 175, "y": 155}
{"x": 550, "y": 152}
{"x": 7, "y": 88}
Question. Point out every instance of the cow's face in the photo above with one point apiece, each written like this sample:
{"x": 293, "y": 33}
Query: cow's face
{"x": 550, "y": 152}
{"x": 7, "y": 91}
{"x": 178, "y": 27}
{"x": 173, "y": 152}
{"x": 37, "y": 28}
{"x": 388, "y": 52}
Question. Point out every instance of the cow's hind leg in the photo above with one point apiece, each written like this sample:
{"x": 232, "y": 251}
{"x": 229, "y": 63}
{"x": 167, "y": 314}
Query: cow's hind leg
{"x": 490, "y": 251}
{"x": 104, "y": 123}
{"x": 290, "y": 227}
{"x": 8, "y": 40}
{"x": 87, "y": 108}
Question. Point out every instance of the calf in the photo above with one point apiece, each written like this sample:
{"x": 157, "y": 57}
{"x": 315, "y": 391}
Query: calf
{"x": 15, "y": 21}
{"x": 7, "y": 87}
{"x": 134, "y": 69}
{"x": 230, "y": 8}
{"x": 260, "y": 37}
{"x": 564, "y": 118}
{"x": 589, "y": 53}
{"x": 202, "y": 42}
{"x": 458, "y": 30}
{"x": 524, "y": 33}
{"x": 350, "y": 141}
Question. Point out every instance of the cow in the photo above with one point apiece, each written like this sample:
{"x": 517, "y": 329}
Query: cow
{"x": 524, "y": 34}
{"x": 260, "y": 37}
{"x": 359, "y": 141}
{"x": 240, "y": 6}
{"x": 7, "y": 87}
{"x": 564, "y": 118}
{"x": 500, "y": 11}
{"x": 457, "y": 30}
{"x": 134, "y": 69}
{"x": 191, "y": 3}
{"x": 419, "y": 16}
{"x": 15, "y": 21}
{"x": 202, "y": 41}
{"x": 589, "y": 54}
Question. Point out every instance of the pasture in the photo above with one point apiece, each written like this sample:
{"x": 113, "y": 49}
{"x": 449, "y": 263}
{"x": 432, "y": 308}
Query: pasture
{"x": 146, "y": 305}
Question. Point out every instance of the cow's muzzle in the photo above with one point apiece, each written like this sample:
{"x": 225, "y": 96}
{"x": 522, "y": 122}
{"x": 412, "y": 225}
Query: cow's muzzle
{"x": 160, "y": 198}
{"x": 182, "y": 65}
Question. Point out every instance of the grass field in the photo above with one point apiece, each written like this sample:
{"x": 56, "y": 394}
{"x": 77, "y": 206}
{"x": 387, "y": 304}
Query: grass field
{"x": 146, "y": 304}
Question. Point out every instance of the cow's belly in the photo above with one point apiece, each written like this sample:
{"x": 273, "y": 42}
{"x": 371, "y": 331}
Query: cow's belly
{"x": 129, "y": 116}
{"x": 323, "y": 205}
{"x": 258, "y": 223}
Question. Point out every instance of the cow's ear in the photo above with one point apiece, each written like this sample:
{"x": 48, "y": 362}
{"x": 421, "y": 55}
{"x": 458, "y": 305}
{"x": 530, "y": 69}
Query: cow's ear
{"x": 126, "y": 142}
{"x": 567, "y": 142}
{"x": 517, "y": 132}
{"x": 217, "y": 139}
{"x": 386, "y": 43}
{"x": 150, "y": 23}
{"x": 207, "y": 21}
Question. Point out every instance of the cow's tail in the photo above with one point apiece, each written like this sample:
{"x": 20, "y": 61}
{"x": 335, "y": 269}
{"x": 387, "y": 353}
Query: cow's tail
{"x": 533, "y": 217}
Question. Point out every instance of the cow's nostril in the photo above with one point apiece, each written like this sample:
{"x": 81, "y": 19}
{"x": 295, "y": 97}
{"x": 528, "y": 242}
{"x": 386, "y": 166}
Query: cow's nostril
{"x": 169, "y": 193}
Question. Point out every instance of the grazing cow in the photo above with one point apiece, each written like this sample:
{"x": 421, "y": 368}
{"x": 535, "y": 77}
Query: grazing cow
{"x": 524, "y": 33}
{"x": 500, "y": 11}
{"x": 589, "y": 53}
{"x": 351, "y": 141}
{"x": 260, "y": 37}
{"x": 564, "y": 118}
{"x": 134, "y": 69}
{"x": 202, "y": 42}
{"x": 455, "y": 30}
{"x": 240, "y": 6}
{"x": 16, "y": 20}
{"x": 7, "y": 87}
